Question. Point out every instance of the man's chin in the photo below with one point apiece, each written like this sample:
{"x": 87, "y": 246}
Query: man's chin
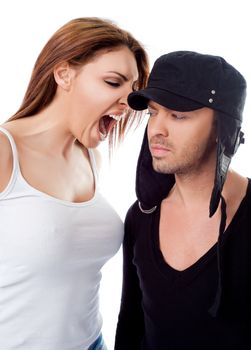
{"x": 161, "y": 168}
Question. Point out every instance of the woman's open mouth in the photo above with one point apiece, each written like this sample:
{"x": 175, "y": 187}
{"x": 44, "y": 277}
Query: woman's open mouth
{"x": 106, "y": 124}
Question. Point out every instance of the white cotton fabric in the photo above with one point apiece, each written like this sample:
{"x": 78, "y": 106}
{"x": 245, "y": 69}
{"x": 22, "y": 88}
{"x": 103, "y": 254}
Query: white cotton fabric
{"x": 51, "y": 253}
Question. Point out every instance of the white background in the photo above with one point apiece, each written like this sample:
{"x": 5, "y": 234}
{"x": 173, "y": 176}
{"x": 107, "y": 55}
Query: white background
{"x": 218, "y": 27}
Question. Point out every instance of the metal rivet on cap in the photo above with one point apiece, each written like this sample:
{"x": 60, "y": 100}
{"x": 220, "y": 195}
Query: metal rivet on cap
{"x": 213, "y": 92}
{"x": 210, "y": 100}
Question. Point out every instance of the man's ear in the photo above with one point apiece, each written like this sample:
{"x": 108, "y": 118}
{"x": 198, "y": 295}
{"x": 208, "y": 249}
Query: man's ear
{"x": 63, "y": 75}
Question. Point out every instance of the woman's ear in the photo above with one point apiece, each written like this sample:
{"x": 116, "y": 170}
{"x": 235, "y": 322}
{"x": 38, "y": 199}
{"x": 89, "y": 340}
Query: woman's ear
{"x": 63, "y": 75}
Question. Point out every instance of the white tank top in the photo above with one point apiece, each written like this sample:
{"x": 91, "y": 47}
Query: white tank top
{"x": 51, "y": 253}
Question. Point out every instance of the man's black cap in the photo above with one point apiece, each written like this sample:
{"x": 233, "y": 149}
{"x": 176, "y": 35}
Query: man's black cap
{"x": 187, "y": 80}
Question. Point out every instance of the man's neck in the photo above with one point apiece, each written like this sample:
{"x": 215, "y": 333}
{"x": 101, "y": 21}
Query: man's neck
{"x": 193, "y": 189}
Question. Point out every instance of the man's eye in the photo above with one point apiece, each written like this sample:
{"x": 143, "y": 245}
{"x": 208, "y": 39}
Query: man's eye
{"x": 178, "y": 116}
{"x": 150, "y": 113}
{"x": 112, "y": 83}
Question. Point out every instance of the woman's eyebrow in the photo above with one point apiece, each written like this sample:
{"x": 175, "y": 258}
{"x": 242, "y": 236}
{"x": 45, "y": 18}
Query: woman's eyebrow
{"x": 121, "y": 75}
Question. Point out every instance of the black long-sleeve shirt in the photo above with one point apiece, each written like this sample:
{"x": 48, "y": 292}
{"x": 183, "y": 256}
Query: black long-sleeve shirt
{"x": 166, "y": 309}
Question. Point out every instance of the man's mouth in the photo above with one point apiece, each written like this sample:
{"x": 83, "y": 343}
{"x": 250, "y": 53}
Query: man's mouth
{"x": 106, "y": 124}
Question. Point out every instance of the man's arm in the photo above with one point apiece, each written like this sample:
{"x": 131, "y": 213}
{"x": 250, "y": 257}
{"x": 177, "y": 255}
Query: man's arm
{"x": 130, "y": 327}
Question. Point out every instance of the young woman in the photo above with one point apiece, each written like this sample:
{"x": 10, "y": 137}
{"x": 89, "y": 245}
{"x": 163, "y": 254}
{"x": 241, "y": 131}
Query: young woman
{"x": 56, "y": 230}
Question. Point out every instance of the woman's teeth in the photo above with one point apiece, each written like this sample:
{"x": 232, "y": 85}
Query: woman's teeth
{"x": 116, "y": 117}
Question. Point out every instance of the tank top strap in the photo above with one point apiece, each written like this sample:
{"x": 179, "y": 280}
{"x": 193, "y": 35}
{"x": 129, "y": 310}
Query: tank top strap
{"x": 13, "y": 148}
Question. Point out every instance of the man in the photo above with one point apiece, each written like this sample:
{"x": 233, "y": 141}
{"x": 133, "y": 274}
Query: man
{"x": 187, "y": 246}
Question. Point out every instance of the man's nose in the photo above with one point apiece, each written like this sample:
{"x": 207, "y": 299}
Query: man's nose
{"x": 158, "y": 125}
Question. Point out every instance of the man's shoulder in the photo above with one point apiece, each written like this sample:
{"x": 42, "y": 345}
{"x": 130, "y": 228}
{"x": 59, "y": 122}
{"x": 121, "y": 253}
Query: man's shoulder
{"x": 236, "y": 189}
{"x": 248, "y": 192}
{"x": 132, "y": 211}
{"x": 249, "y": 186}
{"x": 239, "y": 204}
{"x": 137, "y": 224}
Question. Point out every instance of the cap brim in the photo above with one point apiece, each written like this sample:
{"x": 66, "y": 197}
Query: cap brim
{"x": 138, "y": 100}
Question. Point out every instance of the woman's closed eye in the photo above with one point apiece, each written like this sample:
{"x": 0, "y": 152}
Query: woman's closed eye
{"x": 112, "y": 83}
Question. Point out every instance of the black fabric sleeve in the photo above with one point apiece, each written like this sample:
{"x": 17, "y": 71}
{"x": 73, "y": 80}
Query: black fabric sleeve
{"x": 130, "y": 327}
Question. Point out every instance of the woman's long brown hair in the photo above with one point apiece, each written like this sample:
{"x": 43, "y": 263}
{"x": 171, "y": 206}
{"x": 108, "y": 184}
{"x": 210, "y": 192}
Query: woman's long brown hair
{"x": 77, "y": 42}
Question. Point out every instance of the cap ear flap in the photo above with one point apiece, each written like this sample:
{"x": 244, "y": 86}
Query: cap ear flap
{"x": 229, "y": 137}
{"x": 151, "y": 187}
{"x": 239, "y": 139}
{"x": 222, "y": 165}
{"x": 229, "y": 132}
